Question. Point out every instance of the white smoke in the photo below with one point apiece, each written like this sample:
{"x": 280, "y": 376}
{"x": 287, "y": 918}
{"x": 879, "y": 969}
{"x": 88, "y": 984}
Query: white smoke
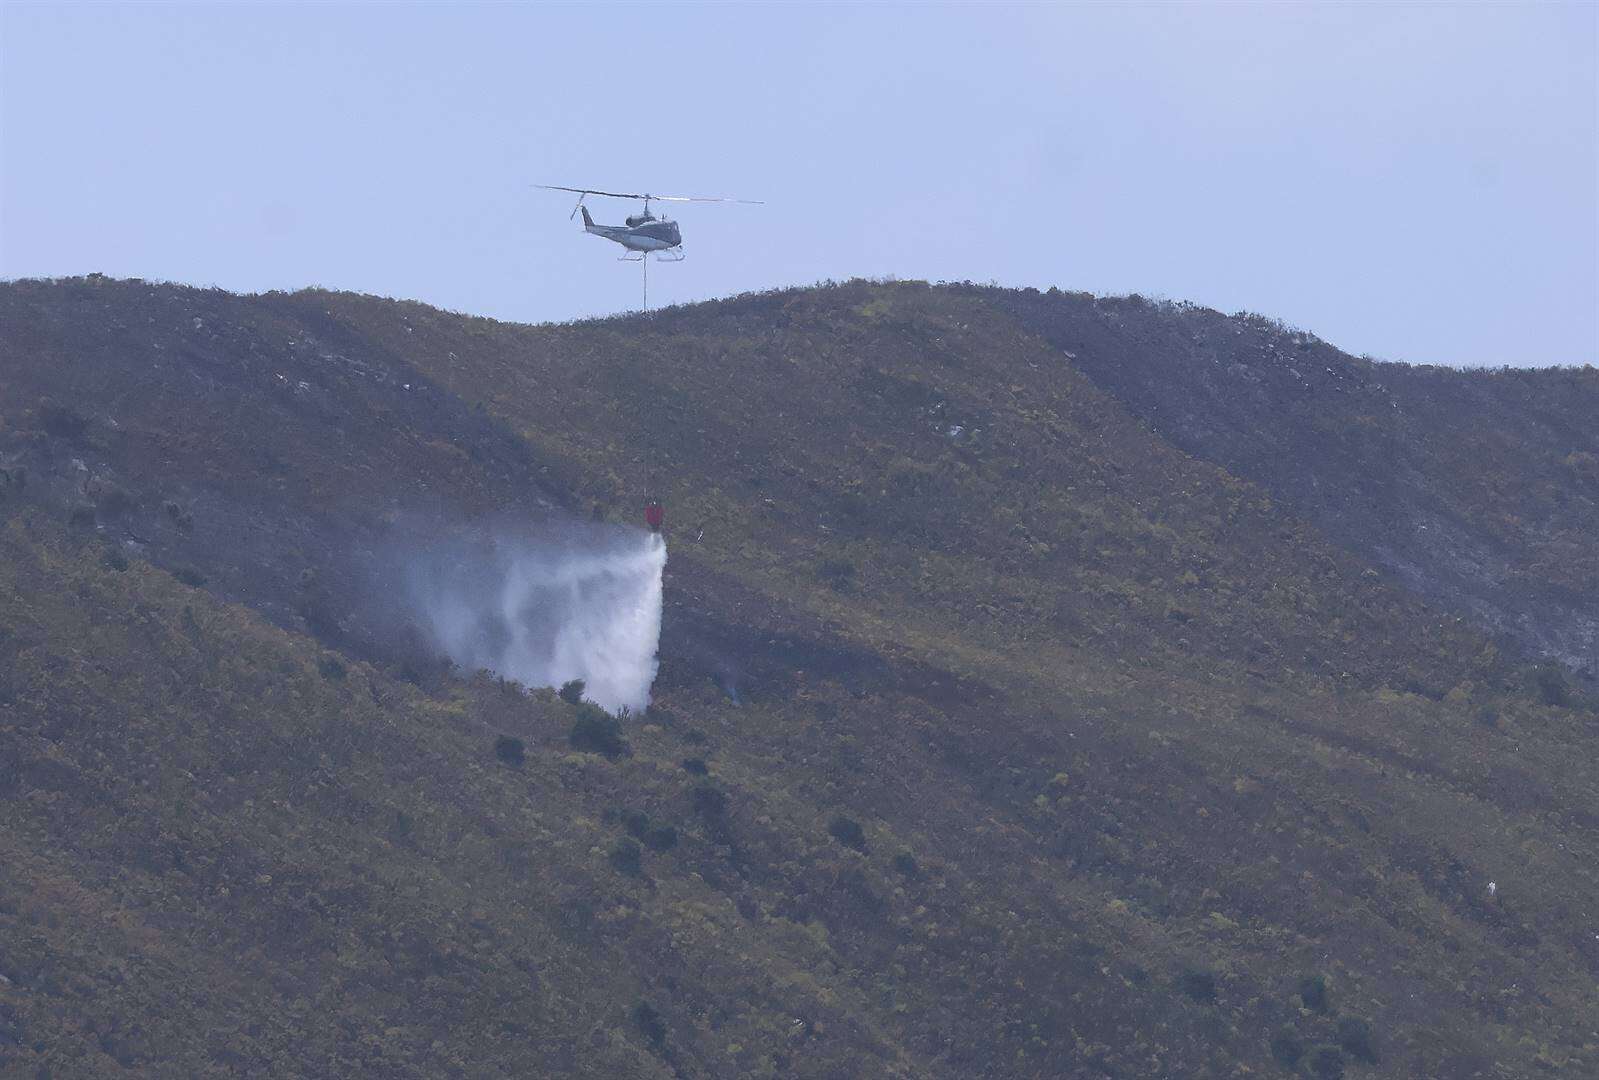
{"x": 546, "y": 611}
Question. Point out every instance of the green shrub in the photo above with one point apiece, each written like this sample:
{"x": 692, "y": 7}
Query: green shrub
{"x": 848, "y": 832}
{"x": 695, "y": 766}
{"x": 402, "y": 828}
{"x": 1355, "y": 1036}
{"x": 1313, "y": 992}
{"x": 1551, "y": 683}
{"x": 650, "y": 1023}
{"x": 839, "y": 574}
{"x": 1326, "y": 1063}
{"x": 183, "y": 519}
{"x": 709, "y": 802}
{"x": 660, "y": 838}
{"x": 905, "y": 863}
{"x": 1198, "y": 984}
{"x": 13, "y": 479}
{"x": 597, "y": 731}
{"x": 636, "y": 822}
{"x": 572, "y": 692}
{"x": 510, "y": 750}
{"x": 627, "y": 857}
{"x": 1287, "y": 1048}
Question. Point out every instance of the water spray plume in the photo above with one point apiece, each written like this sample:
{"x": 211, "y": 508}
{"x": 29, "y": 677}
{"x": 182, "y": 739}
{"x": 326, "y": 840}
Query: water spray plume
{"x": 584, "y": 606}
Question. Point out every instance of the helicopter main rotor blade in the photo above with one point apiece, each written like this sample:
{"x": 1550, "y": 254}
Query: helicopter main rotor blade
{"x": 592, "y": 191}
{"x": 646, "y": 195}
{"x": 703, "y": 198}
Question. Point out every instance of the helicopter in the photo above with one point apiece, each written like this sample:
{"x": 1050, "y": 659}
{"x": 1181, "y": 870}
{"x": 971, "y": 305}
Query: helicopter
{"x": 644, "y": 234}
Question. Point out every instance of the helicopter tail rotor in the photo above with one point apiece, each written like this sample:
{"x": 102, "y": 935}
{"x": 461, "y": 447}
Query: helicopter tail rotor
{"x": 578, "y": 207}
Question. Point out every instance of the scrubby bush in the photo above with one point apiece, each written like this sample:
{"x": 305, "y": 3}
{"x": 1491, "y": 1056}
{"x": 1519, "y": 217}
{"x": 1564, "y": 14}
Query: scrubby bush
{"x": 1326, "y": 1063}
{"x": 695, "y": 766}
{"x": 572, "y": 692}
{"x": 905, "y": 863}
{"x": 1313, "y": 992}
{"x": 182, "y": 518}
{"x": 636, "y": 822}
{"x": 627, "y": 857}
{"x": 848, "y": 832}
{"x": 839, "y": 574}
{"x": 597, "y": 731}
{"x": 650, "y": 1023}
{"x": 331, "y": 668}
{"x": 660, "y": 838}
{"x": 1356, "y": 1038}
{"x": 11, "y": 480}
{"x": 1551, "y": 683}
{"x": 510, "y": 750}
{"x": 1198, "y": 984}
{"x": 709, "y": 802}
{"x": 1287, "y": 1048}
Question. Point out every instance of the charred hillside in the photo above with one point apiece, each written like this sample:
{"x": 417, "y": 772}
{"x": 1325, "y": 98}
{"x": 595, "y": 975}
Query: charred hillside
{"x": 1478, "y": 489}
{"x": 1050, "y": 686}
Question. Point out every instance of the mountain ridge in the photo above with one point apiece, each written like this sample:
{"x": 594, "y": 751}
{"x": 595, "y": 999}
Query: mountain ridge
{"x": 1159, "y": 748}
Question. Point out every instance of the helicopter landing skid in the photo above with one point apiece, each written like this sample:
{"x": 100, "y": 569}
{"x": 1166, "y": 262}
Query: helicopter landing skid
{"x": 643, "y": 259}
{"x": 660, "y": 256}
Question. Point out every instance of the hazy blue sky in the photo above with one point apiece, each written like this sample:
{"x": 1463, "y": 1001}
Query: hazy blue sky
{"x": 1416, "y": 182}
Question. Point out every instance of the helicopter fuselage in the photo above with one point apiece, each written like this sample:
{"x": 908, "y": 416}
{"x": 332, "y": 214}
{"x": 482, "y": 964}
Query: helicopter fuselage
{"x": 649, "y": 235}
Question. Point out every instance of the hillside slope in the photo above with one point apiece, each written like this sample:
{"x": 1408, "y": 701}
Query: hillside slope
{"x": 1479, "y": 489}
{"x": 1057, "y": 748}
